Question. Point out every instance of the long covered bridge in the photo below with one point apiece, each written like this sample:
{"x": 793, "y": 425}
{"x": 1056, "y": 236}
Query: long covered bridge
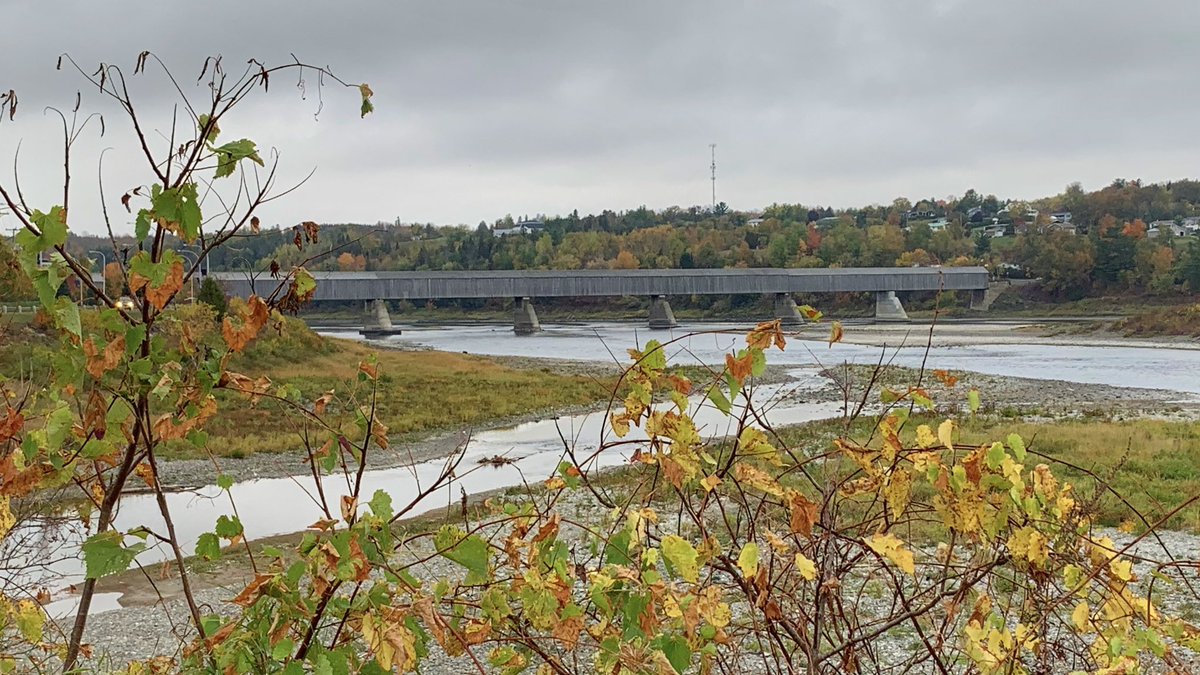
{"x": 376, "y": 288}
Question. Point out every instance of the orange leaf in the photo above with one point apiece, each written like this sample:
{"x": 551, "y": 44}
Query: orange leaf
{"x": 251, "y": 319}
{"x": 253, "y": 591}
{"x": 100, "y": 362}
{"x": 835, "y": 333}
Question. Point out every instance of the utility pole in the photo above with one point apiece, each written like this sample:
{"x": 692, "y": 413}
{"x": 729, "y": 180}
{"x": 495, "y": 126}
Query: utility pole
{"x": 712, "y": 147}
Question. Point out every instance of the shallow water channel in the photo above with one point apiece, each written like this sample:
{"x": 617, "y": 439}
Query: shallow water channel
{"x": 278, "y": 506}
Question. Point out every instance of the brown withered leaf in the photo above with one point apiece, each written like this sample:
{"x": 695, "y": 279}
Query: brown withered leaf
{"x": 766, "y": 334}
{"x": 255, "y": 224}
{"x": 250, "y": 320}
{"x": 310, "y": 230}
{"x": 320, "y": 404}
{"x": 739, "y": 368}
{"x": 804, "y": 514}
{"x": 161, "y": 294}
{"x": 99, "y": 361}
{"x": 349, "y": 507}
{"x": 253, "y": 591}
{"x": 274, "y": 269}
{"x": 379, "y": 434}
{"x": 166, "y": 429}
{"x": 369, "y": 369}
{"x": 324, "y": 525}
{"x": 146, "y": 473}
{"x": 125, "y": 202}
{"x": 11, "y": 424}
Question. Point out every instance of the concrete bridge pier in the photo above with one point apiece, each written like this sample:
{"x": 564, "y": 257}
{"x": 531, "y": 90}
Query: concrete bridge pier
{"x": 378, "y": 322}
{"x": 525, "y": 319}
{"x": 888, "y": 307}
{"x": 661, "y": 315}
{"x": 979, "y": 299}
{"x": 786, "y": 311}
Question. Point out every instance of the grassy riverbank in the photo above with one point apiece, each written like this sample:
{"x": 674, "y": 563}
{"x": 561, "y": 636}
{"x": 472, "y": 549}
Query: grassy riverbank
{"x": 419, "y": 391}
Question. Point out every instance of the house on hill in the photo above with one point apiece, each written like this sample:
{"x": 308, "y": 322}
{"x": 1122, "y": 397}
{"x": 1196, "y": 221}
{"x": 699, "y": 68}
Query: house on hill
{"x": 523, "y": 227}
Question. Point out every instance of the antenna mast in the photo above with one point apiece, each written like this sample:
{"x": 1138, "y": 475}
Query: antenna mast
{"x": 713, "y": 149}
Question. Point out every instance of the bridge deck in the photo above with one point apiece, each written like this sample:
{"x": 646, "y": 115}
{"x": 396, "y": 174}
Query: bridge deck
{"x": 574, "y": 283}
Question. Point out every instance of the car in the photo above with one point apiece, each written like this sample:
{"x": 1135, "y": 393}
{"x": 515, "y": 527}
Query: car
{"x": 125, "y": 302}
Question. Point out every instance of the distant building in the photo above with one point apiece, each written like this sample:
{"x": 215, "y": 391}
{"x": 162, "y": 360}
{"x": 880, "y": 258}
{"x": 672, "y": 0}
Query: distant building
{"x": 523, "y": 227}
{"x": 754, "y": 221}
{"x": 939, "y": 225}
{"x": 1060, "y": 217}
{"x": 1158, "y": 227}
{"x": 995, "y": 231}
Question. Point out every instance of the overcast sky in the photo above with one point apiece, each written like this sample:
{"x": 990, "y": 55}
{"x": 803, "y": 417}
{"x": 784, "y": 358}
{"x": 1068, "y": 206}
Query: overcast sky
{"x": 488, "y": 107}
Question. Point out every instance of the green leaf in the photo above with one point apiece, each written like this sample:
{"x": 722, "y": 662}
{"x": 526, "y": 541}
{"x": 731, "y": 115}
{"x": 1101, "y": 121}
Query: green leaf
{"x": 53, "y": 226}
{"x": 1018, "y": 447}
{"x": 58, "y": 426}
{"x": 381, "y": 504}
{"x": 225, "y": 481}
{"x": 283, "y": 649}
{"x": 208, "y": 546}
{"x": 973, "y": 400}
{"x": 758, "y": 362}
{"x": 681, "y": 556}
{"x": 141, "y": 227}
{"x": 616, "y": 549}
{"x": 719, "y": 399}
{"x": 180, "y": 208}
{"x": 470, "y": 551}
{"x": 995, "y": 455}
{"x": 305, "y": 283}
{"x": 677, "y": 652}
{"x": 367, "y": 107}
{"x": 888, "y": 395}
{"x": 231, "y": 153}
{"x": 654, "y": 358}
{"x": 229, "y": 527}
{"x": 66, "y": 315}
{"x": 105, "y": 553}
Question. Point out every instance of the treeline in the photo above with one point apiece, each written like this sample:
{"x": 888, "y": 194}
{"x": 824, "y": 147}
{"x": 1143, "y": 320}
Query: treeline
{"x": 1109, "y": 247}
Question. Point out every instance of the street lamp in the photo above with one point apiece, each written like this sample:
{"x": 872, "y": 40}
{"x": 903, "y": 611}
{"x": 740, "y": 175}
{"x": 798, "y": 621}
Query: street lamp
{"x": 103, "y": 278}
{"x": 195, "y": 264}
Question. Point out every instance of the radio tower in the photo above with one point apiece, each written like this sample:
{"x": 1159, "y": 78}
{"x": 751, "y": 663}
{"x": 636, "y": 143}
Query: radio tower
{"x": 712, "y": 147}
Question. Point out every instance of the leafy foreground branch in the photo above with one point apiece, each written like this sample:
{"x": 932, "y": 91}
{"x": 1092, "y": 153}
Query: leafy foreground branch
{"x": 725, "y": 555}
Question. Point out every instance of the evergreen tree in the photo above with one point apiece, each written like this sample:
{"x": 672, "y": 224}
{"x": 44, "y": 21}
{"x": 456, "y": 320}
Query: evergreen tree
{"x": 211, "y": 294}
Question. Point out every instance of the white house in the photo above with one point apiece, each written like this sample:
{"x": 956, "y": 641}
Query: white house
{"x": 523, "y": 227}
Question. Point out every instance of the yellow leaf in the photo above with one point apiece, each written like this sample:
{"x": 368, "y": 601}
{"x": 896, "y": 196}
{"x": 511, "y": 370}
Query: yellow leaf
{"x": 806, "y": 567}
{"x": 891, "y": 547}
{"x": 897, "y": 491}
{"x": 1079, "y": 617}
{"x": 1030, "y": 544}
{"x": 710, "y": 483}
{"x": 7, "y": 520}
{"x": 30, "y": 621}
{"x": 925, "y": 437}
{"x": 946, "y": 433}
{"x": 747, "y": 560}
{"x": 758, "y": 479}
{"x": 1121, "y": 569}
{"x": 835, "y": 333}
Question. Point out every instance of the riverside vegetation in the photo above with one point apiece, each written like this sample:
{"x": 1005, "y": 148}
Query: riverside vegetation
{"x": 726, "y": 553}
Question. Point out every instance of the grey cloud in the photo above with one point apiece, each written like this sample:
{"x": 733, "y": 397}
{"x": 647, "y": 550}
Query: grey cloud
{"x": 492, "y": 107}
